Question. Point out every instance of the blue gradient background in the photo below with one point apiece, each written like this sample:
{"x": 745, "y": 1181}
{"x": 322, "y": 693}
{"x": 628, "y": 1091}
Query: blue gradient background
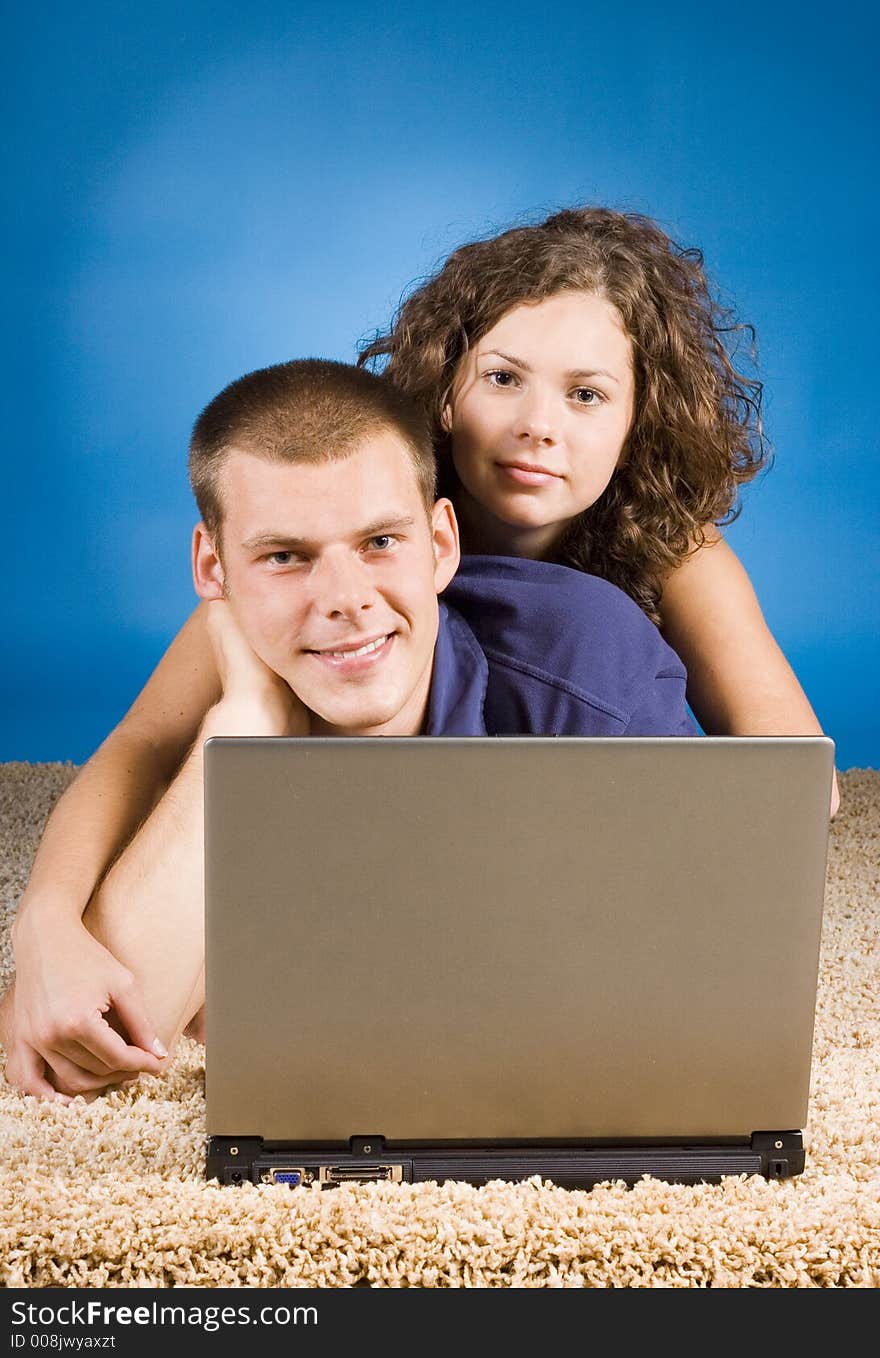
{"x": 200, "y": 190}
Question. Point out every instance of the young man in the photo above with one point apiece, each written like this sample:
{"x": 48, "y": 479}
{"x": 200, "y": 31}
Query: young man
{"x": 323, "y": 552}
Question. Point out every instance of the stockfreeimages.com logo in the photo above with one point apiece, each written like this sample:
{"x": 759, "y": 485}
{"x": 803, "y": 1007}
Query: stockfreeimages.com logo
{"x": 92, "y": 1313}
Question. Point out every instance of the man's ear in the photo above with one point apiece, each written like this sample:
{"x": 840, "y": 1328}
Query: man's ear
{"x": 207, "y": 571}
{"x": 447, "y": 551}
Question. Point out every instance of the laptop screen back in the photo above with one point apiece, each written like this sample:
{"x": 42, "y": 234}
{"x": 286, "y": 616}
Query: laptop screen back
{"x": 512, "y": 938}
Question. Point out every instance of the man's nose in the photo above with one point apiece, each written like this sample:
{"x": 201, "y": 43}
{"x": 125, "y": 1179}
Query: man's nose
{"x": 341, "y": 587}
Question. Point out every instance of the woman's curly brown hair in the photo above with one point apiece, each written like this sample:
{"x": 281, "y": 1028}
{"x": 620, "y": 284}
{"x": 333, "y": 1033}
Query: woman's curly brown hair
{"x": 696, "y": 433}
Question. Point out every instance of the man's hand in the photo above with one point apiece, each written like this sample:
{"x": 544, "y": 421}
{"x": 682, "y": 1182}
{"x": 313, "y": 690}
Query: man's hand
{"x": 246, "y": 678}
{"x": 56, "y": 1021}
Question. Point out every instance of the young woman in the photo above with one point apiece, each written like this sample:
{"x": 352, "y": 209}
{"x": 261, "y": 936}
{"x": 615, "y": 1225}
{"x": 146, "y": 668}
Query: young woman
{"x": 586, "y": 410}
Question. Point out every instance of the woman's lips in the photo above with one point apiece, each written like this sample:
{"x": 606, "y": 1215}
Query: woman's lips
{"x": 526, "y": 475}
{"x": 352, "y": 659}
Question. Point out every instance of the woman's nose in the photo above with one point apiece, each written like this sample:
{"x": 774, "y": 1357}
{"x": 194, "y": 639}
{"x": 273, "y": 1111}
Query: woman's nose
{"x": 536, "y": 418}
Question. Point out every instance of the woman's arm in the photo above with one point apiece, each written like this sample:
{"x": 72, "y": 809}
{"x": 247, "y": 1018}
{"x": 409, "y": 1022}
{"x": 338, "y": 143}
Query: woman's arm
{"x": 739, "y": 682}
{"x": 65, "y": 981}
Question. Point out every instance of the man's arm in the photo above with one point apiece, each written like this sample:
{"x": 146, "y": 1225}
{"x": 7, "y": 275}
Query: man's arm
{"x": 149, "y": 910}
{"x": 66, "y": 982}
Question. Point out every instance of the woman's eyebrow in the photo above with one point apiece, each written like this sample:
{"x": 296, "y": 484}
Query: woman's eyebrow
{"x": 508, "y": 358}
{"x": 569, "y": 376}
{"x": 592, "y": 372}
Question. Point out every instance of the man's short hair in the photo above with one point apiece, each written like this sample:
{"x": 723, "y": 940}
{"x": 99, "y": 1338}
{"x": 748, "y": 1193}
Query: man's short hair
{"x": 308, "y": 410}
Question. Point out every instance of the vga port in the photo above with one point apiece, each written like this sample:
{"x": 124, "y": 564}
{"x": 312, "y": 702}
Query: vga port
{"x": 293, "y": 1176}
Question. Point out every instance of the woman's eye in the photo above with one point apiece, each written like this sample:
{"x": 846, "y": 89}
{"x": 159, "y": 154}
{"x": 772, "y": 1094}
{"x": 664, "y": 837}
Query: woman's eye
{"x": 586, "y": 396}
{"x": 500, "y": 377}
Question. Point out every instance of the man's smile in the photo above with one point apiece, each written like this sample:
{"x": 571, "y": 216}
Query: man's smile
{"x": 355, "y": 656}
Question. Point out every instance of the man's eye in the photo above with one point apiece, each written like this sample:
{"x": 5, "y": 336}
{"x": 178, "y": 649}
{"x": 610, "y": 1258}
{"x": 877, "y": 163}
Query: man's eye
{"x": 500, "y": 377}
{"x": 381, "y": 542}
{"x": 280, "y": 558}
{"x": 586, "y": 396}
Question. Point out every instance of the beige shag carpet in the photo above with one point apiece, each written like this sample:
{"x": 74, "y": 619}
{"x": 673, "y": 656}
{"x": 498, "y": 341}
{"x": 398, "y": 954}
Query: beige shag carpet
{"x": 112, "y": 1194}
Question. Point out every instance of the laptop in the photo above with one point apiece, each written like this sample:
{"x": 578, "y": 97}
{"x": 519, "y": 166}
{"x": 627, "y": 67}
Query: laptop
{"x": 487, "y": 958}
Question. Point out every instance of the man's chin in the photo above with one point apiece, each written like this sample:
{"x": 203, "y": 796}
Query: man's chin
{"x": 356, "y": 721}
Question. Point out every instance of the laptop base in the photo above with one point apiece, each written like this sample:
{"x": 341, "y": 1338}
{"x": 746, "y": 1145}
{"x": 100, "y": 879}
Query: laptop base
{"x": 773, "y": 1155}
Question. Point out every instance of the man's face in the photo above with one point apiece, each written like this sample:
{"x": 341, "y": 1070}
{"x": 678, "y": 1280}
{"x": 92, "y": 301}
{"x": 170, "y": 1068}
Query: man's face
{"x": 332, "y": 571}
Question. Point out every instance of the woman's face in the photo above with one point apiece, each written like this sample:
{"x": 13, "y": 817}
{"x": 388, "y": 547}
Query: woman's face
{"x": 540, "y": 410}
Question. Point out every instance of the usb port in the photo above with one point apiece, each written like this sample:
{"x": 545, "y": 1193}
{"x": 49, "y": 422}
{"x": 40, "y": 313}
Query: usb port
{"x": 360, "y": 1174}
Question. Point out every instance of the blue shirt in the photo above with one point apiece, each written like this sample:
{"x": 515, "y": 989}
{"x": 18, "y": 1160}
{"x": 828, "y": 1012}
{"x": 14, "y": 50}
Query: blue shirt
{"x": 530, "y": 648}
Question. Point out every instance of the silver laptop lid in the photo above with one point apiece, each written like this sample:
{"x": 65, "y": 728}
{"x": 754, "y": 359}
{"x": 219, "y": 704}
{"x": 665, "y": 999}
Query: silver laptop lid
{"x": 512, "y": 938}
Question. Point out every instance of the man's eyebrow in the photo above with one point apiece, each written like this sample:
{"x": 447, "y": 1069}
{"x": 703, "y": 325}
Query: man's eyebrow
{"x": 373, "y": 530}
{"x": 570, "y": 375}
{"x": 283, "y": 542}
